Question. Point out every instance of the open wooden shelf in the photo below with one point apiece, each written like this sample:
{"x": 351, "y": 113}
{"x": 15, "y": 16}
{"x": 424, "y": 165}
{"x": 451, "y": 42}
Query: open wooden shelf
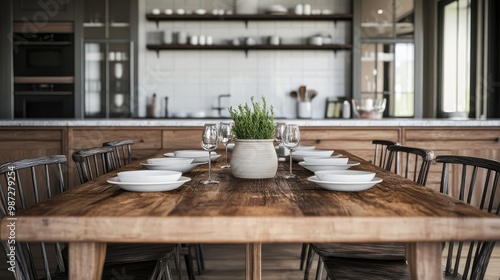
{"x": 255, "y": 17}
{"x": 329, "y": 47}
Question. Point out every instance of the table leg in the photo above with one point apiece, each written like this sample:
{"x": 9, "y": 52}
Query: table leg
{"x": 424, "y": 260}
{"x": 253, "y": 261}
{"x": 86, "y": 260}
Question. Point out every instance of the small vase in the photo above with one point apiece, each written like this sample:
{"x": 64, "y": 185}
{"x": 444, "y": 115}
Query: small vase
{"x": 254, "y": 159}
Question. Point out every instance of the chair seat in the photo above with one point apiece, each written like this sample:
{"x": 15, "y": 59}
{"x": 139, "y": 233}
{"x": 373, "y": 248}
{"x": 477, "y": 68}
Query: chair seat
{"x": 348, "y": 268}
{"x": 375, "y": 251}
{"x": 120, "y": 253}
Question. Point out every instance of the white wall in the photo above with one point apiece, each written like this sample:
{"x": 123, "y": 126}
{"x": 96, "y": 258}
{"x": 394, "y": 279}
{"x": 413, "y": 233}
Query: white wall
{"x": 192, "y": 80}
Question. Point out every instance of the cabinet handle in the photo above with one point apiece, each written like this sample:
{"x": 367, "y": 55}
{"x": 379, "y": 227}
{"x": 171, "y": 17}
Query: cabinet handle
{"x": 142, "y": 140}
{"x": 318, "y": 141}
{"x": 498, "y": 140}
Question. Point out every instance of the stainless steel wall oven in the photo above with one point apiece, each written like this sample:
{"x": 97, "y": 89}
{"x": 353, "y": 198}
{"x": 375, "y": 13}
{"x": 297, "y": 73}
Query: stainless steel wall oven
{"x": 44, "y": 70}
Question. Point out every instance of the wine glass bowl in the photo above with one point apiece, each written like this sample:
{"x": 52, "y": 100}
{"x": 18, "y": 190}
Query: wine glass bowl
{"x": 225, "y": 136}
{"x": 278, "y": 136}
{"x": 291, "y": 140}
{"x": 209, "y": 142}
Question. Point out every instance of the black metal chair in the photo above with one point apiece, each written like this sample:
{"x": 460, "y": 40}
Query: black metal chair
{"x": 94, "y": 162}
{"x": 35, "y": 180}
{"x": 122, "y": 150}
{"x": 472, "y": 180}
{"x": 381, "y": 154}
{"x": 409, "y": 162}
{"x": 380, "y": 157}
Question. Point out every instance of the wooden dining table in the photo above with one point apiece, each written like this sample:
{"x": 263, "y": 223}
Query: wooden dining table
{"x": 254, "y": 212}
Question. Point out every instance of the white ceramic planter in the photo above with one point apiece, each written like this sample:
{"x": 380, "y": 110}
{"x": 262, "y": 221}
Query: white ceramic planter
{"x": 254, "y": 159}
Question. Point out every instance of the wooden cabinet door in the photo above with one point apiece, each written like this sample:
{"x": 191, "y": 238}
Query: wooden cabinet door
{"x": 356, "y": 140}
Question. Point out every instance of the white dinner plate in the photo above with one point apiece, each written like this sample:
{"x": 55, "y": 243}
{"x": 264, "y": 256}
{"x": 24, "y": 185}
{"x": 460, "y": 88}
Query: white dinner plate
{"x": 149, "y": 187}
{"x": 345, "y": 186}
{"x": 203, "y": 159}
{"x": 177, "y": 167}
{"x": 191, "y": 153}
{"x": 318, "y": 167}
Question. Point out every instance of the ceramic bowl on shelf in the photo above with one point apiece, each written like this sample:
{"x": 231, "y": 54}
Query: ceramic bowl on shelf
{"x": 149, "y": 176}
{"x": 345, "y": 175}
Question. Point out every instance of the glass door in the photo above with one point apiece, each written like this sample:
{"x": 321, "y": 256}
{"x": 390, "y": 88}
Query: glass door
{"x": 107, "y": 80}
{"x": 387, "y": 54}
{"x": 108, "y": 59}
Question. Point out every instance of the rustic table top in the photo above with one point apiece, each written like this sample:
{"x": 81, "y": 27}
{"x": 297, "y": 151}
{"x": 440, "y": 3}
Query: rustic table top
{"x": 243, "y": 211}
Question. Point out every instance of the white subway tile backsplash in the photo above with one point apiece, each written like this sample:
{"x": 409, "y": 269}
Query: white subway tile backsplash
{"x": 193, "y": 80}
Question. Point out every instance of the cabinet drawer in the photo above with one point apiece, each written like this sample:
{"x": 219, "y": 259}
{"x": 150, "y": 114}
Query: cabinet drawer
{"x": 356, "y": 134}
{"x": 87, "y": 138}
{"x": 182, "y": 138}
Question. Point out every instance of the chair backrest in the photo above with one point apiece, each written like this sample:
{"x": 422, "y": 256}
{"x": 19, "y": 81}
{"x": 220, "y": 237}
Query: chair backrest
{"x": 381, "y": 154}
{"x": 122, "y": 150}
{"x": 24, "y": 183}
{"x": 409, "y": 162}
{"x": 94, "y": 162}
{"x": 476, "y": 181}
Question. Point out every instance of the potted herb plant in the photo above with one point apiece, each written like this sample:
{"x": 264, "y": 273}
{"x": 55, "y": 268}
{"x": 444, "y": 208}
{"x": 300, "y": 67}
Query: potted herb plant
{"x": 254, "y": 156}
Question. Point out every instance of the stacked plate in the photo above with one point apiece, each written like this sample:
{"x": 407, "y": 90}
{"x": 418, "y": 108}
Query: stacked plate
{"x": 149, "y": 180}
{"x": 300, "y": 154}
{"x": 327, "y": 163}
{"x": 171, "y": 163}
{"x": 345, "y": 180}
{"x": 198, "y": 156}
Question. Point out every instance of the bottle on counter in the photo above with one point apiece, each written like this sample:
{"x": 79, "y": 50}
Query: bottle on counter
{"x": 152, "y": 107}
{"x": 346, "y": 110}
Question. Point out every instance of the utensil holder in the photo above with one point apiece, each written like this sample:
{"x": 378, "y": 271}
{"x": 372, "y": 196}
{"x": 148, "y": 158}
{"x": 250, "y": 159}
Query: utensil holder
{"x": 304, "y": 110}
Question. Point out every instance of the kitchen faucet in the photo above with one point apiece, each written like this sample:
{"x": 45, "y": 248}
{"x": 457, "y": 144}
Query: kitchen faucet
{"x": 219, "y": 107}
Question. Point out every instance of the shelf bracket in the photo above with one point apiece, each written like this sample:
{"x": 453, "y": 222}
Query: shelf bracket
{"x": 246, "y": 53}
{"x": 246, "y": 24}
{"x": 157, "y": 53}
{"x": 157, "y": 24}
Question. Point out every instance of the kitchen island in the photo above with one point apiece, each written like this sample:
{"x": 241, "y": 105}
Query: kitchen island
{"x": 32, "y": 138}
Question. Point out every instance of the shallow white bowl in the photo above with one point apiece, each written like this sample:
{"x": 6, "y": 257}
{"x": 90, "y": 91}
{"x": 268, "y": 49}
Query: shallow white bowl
{"x": 149, "y": 176}
{"x": 326, "y": 160}
{"x": 318, "y": 167}
{"x": 345, "y": 186}
{"x": 201, "y": 159}
{"x": 305, "y": 148}
{"x": 172, "y": 167}
{"x": 170, "y": 161}
{"x": 301, "y": 154}
{"x": 344, "y": 175}
{"x": 149, "y": 187}
{"x": 192, "y": 153}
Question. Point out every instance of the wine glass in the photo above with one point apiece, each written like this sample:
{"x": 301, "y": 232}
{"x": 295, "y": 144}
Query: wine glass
{"x": 278, "y": 136}
{"x": 225, "y": 136}
{"x": 209, "y": 142}
{"x": 291, "y": 140}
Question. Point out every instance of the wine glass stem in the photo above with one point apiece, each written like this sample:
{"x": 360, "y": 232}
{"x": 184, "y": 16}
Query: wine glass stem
{"x": 291, "y": 162}
{"x": 225, "y": 145}
{"x": 209, "y": 165}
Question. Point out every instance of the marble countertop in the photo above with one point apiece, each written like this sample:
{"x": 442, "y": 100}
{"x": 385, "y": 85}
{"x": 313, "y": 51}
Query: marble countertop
{"x": 201, "y": 122}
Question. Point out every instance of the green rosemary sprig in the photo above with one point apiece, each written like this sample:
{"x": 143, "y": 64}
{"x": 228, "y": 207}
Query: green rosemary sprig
{"x": 256, "y": 122}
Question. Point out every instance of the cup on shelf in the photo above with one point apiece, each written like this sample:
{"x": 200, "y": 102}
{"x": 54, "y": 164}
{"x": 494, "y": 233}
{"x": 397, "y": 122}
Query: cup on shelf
{"x": 167, "y": 37}
{"x": 193, "y": 40}
{"x": 182, "y": 38}
{"x": 274, "y": 40}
